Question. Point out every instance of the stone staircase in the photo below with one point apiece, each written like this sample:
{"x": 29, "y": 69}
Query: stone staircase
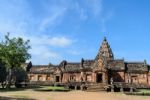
{"x": 96, "y": 87}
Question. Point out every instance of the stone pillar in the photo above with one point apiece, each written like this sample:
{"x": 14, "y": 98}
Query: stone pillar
{"x": 147, "y": 78}
{"x": 75, "y": 87}
{"x": 129, "y": 78}
{"x": 131, "y": 89}
{"x": 93, "y": 77}
{"x": 112, "y": 88}
{"x": 82, "y": 76}
{"x": 36, "y": 78}
{"x": 121, "y": 89}
{"x": 103, "y": 77}
{"x": 81, "y": 87}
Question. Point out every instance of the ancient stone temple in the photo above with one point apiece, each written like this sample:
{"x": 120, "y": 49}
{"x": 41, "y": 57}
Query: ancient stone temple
{"x": 103, "y": 71}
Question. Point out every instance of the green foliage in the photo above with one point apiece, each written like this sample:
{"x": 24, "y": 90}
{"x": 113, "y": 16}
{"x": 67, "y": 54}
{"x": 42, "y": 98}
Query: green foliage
{"x": 3, "y": 72}
{"x": 14, "y": 51}
{"x": 20, "y": 75}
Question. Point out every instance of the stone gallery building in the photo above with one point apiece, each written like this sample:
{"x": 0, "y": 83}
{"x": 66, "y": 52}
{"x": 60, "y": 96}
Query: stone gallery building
{"x": 102, "y": 71}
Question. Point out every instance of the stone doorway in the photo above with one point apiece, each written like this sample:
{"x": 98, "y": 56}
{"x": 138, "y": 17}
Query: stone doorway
{"x": 57, "y": 79}
{"x": 99, "y": 78}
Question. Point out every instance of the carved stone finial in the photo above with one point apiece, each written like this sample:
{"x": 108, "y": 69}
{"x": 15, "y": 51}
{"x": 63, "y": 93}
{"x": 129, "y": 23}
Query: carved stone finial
{"x": 105, "y": 50}
{"x": 105, "y": 39}
{"x": 29, "y": 66}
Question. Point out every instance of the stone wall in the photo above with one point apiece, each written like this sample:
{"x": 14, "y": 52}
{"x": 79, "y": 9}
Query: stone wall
{"x": 40, "y": 77}
{"x": 119, "y": 76}
{"x": 136, "y": 78}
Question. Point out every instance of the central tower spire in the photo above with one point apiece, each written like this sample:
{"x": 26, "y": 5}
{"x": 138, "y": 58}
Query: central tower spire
{"x": 105, "y": 50}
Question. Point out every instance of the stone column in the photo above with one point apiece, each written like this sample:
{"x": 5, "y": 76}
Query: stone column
{"x": 112, "y": 88}
{"x": 82, "y": 76}
{"x": 75, "y": 87}
{"x": 93, "y": 77}
{"x": 81, "y": 87}
{"x": 103, "y": 77}
{"x": 36, "y": 78}
{"x": 131, "y": 89}
{"x": 121, "y": 89}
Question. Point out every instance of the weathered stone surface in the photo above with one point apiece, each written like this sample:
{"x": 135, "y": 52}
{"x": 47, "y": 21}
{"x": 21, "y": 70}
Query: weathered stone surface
{"x": 99, "y": 70}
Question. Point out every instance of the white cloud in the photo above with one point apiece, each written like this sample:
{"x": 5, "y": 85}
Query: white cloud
{"x": 59, "y": 41}
{"x": 43, "y": 52}
{"x": 21, "y": 21}
{"x": 53, "y": 18}
{"x": 56, "y": 41}
{"x": 81, "y": 11}
{"x": 41, "y": 48}
{"x": 75, "y": 52}
{"x": 95, "y": 6}
{"x": 105, "y": 19}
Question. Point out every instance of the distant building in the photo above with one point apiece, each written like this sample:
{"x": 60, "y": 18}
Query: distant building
{"x": 103, "y": 71}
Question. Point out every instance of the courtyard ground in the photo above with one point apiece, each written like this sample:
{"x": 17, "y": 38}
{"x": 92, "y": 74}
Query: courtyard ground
{"x": 31, "y": 94}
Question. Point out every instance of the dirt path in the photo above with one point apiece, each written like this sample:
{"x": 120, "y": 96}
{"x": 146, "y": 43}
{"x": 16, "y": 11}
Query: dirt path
{"x": 73, "y": 95}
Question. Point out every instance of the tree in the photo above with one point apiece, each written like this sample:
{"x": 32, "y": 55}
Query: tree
{"x": 3, "y": 74}
{"x": 13, "y": 52}
{"x": 20, "y": 76}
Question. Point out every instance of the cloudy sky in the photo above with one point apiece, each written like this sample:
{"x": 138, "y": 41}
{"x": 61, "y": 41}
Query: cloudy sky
{"x": 74, "y": 29}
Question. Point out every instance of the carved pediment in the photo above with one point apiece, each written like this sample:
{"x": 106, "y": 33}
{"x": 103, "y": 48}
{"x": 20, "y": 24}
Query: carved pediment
{"x": 57, "y": 71}
{"x": 99, "y": 65}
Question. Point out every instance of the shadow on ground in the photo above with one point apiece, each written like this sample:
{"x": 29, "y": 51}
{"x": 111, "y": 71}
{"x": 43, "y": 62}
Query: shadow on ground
{"x": 11, "y": 98}
{"x": 18, "y": 89}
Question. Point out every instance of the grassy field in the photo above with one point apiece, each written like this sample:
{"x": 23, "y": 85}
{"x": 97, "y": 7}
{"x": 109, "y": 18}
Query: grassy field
{"x": 45, "y": 93}
{"x": 144, "y": 91}
{"x": 51, "y": 88}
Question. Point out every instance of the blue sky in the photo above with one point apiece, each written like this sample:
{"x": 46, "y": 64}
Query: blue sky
{"x": 74, "y": 29}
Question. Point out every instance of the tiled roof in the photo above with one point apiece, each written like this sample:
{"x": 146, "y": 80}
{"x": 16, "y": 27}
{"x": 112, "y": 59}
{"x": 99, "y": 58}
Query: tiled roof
{"x": 72, "y": 67}
{"x": 88, "y": 64}
{"x": 136, "y": 67}
{"x": 42, "y": 69}
{"x": 116, "y": 65}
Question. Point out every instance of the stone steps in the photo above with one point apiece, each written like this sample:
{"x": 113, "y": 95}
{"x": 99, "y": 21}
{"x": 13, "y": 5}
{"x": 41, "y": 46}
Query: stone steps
{"x": 96, "y": 87}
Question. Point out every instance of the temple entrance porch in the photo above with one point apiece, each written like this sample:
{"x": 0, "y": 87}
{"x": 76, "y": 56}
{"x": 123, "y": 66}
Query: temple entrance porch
{"x": 99, "y": 78}
{"x": 57, "y": 78}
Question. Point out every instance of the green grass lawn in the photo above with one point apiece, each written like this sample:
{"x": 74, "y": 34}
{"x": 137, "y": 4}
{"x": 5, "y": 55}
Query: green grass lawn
{"x": 141, "y": 92}
{"x": 144, "y": 91}
{"x": 51, "y": 88}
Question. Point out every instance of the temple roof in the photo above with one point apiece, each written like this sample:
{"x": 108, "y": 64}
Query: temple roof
{"x": 76, "y": 67}
{"x": 105, "y": 50}
{"x": 42, "y": 69}
{"x": 72, "y": 67}
{"x": 117, "y": 65}
{"x": 88, "y": 65}
{"x": 136, "y": 67}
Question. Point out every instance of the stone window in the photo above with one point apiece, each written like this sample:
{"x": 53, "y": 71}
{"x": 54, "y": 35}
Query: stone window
{"x": 48, "y": 78}
{"x": 89, "y": 78}
{"x": 72, "y": 78}
{"x": 32, "y": 77}
{"x": 40, "y": 78}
